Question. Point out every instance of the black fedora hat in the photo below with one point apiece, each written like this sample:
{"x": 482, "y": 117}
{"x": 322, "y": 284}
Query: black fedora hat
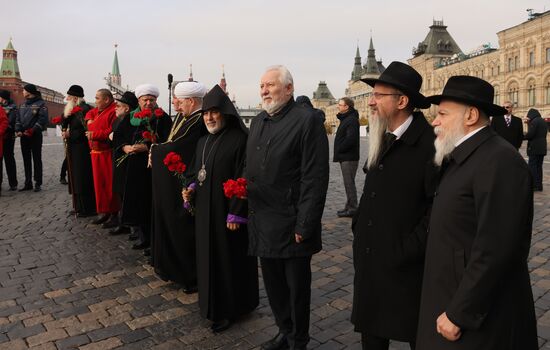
{"x": 130, "y": 99}
{"x": 404, "y": 78}
{"x": 31, "y": 89}
{"x": 472, "y": 91}
{"x": 76, "y": 90}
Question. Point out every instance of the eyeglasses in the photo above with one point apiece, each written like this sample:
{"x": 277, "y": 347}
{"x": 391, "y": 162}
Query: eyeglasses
{"x": 379, "y": 95}
{"x": 507, "y": 107}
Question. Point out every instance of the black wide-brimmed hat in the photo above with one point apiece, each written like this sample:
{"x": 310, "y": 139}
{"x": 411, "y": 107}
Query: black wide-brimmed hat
{"x": 217, "y": 99}
{"x": 472, "y": 91}
{"x": 404, "y": 78}
{"x": 76, "y": 90}
{"x": 130, "y": 99}
{"x": 31, "y": 89}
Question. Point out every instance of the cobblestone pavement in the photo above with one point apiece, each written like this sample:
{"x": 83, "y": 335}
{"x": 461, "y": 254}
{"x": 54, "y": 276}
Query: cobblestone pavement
{"x": 66, "y": 284}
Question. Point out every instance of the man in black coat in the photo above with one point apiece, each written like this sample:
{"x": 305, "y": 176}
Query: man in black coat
{"x": 509, "y": 126}
{"x": 81, "y": 183}
{"x": 227, "y": 276}
{"x": 287, "y": 172}
{"x": 536, "y": 145}
{"x": 32, "y": 118}
{"x": 306, "y": 102}
{"x": 390, "y": 227}
{"x": 346, "y": 152}
{"x": 9, "y": 139}
{"x": 476, "y": 292}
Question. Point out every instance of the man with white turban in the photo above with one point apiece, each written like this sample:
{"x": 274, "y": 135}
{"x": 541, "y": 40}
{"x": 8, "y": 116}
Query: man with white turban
{"x": 143, "y": 127}
{"x": 173, "y": 238}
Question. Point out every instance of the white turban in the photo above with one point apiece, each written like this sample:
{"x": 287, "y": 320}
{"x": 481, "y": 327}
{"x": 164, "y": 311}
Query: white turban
{"x": 147, "y": 89}
{"x": 189, "y": 89}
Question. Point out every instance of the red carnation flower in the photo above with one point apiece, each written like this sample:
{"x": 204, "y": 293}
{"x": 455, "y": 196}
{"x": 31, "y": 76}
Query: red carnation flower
{"x": 76, "y": 109}
{"x": 147, "y": 135}
{"x": 57, "y": 120}
{"x": 146, "y": 113}
{"x": 138, "y": 115}
{"x": 159, "y": 112}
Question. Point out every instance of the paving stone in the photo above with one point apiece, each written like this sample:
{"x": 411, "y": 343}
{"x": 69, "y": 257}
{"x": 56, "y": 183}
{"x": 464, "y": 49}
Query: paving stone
{"x": 72, "y": 342}
{"x": 106, "y": 344}
{"x": 45, "y": 337}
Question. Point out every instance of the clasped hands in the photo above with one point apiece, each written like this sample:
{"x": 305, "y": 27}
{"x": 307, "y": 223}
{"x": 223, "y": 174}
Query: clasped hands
{"x": 137, "y": 148}
{"x": 447, "y": 329}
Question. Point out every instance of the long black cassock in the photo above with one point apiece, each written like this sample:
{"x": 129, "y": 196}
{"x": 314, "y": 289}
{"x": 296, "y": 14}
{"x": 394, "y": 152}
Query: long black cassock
{"x": 173, "y": 228}
{"x": 136, "y": 193}
{"x": 227, "y": 276}
{"x": 119, "y": 139}
{"x": 80, "y": 164}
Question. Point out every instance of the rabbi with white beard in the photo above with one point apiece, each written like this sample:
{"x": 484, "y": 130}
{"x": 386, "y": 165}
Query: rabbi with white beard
{"x": 476, "y": 292}
{"x": 390, "y": 227}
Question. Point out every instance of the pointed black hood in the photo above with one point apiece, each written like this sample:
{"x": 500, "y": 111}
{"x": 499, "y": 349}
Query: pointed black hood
{"x": 217, "y": 99}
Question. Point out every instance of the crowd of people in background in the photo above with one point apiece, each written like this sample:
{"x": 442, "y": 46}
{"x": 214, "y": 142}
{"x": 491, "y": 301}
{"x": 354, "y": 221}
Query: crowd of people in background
{"x": 441, "y": 233}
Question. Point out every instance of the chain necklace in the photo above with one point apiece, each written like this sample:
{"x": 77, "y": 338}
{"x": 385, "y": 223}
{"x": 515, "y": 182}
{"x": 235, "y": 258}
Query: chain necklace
{"x": 201, "y": 176}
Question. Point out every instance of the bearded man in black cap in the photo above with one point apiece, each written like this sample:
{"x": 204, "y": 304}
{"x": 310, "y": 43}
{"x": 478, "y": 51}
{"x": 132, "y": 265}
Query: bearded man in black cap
{"x": 227, "y": 277}
{"x": 390, "y": 227}
{"x": 32, "y": 119}
{"x": 476, "y": 292}
{"x": 9, "y": 139}
{"x": 81, "y": 183}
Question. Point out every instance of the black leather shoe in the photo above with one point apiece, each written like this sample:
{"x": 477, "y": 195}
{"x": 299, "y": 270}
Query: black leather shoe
{"x": 346, "y": 214}
{"x": 13, "y": 188}
{"x": 26, "y": 188}
{"x": 138, "y": 246}
{"x": 341, "y": 211}
{"x": 37, "y": 188}
{"x": 147, "y": 252}
{"x": 63, "y": 181}
{"x": 277, "y": 343}
{"x": 190, "y": 290}
{"x": 112, "y": 222}
{"x": 85, "y": 215}
{"x": 101, "y": 219}
{"x": 218, "y": 327}
{"x": 132, "y": 237}
{"x": 119, "y": 230}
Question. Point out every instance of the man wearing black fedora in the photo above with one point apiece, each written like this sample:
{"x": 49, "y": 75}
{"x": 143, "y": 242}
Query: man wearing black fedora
{"x": 476, "y": 292}
{"x": 81, "y": 183}
{"x": 390, "y": 227}
{"x": 32, "y": 119}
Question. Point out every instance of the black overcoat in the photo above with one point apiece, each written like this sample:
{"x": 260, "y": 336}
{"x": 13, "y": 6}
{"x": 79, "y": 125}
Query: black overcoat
{"x": 79, "y": 162}
{"x": 346, "y": 141}
{"x": 512, "y": 133}
{"x": 227, "y": 276}
{"x": 390, "y": 230}
{"x": 536, "y": 137}
{"x": 476, "y": 257}
{"x": 137, "y": 192}
{"x": 173, "y": 228}
{"x": 287, "y": 170}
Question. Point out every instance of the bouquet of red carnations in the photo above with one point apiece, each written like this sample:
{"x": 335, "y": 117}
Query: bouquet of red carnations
{"x": 235, "y": 188}
{"x": 175, "y": 165}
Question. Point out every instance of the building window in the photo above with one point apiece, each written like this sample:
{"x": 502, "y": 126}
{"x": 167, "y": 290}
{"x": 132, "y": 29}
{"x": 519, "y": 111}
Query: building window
{"x": 516, "y": 62}
{"x": 531, "y": 95}
{"x": 496, "y": 99}
{"x": 531, "y": 59}
{"x": 498, "y": 69}
{"x": 547, "y": 92}
{"x": 510, "y": 64}
{"x": 548, "y": 55}
{"x": 513, "y": 95}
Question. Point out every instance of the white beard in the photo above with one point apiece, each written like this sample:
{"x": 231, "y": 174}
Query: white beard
{"x": 273, "y": 106}
{"x": 68, "y": 108}
{"x": 444, "y": 145}
{"x": 217, "y": 128}
{"x": 377, "y": 129}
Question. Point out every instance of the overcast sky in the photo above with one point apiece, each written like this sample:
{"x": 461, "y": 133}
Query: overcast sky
{"x": 61, "y": 42}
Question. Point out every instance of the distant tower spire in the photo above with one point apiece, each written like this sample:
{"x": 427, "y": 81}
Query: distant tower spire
{"x": 10, "y": 67}
{"x": 115, "y": 73}
{"x": 223, "y": 82}
{"x": 371, "y": 67}
{"x": 190, "y": 73}
{"x": 357, "y": 69}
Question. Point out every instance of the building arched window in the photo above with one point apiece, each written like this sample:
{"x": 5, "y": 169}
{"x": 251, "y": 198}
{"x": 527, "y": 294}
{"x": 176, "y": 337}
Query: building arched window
{"x": 496, "y": 99}
{"x": 531, "y": 98}
{"x": 513, "y": 93}
{"x": 547, "y": 91}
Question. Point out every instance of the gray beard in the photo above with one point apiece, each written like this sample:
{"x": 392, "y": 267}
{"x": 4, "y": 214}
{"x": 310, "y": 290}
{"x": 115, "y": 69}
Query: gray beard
{"x": 68, "y": 108}
{"x": 273, "y": 107}
{"x": 377, "y": 129}
{"x": 445, "y": 145}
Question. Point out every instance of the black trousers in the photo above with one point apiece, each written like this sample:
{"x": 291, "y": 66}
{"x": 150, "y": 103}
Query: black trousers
{"x": 370, "y": 342}
{"x": 9, "y": 160}
{"x": 31, "y": 147}
{"x": 349, "y": 170}
{"x": 535, "y": 164}
{"x": 288, "y": 287}
{"x": 63, "y": 173}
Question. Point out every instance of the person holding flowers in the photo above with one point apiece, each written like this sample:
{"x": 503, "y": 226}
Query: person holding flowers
{"x": 173, "y": 230}
{"x": 145, "y": 125}
{"x": 79, "y": 163}
{"x": 227, "y": 276}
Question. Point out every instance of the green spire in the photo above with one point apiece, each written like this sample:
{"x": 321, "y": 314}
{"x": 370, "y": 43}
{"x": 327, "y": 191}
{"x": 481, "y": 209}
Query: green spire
{"x": 116, "y": 69}
{"x": 10, "y": 68}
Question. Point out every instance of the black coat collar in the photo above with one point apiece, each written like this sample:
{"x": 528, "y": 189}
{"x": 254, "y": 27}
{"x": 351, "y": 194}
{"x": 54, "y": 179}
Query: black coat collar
{"x": 415, "y": 130}
{"x": 463, "y": 151}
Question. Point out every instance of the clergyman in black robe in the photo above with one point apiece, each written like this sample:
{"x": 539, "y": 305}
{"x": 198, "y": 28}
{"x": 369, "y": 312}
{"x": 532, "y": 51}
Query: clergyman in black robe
{"x": 81, "y": 184}
{"x": 136, "y": 201}
{"x": 173, "y": 227}
{"x": 227, "y": 276}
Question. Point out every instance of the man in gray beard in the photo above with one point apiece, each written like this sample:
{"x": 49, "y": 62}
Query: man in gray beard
{"x": 390, "y": 227}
